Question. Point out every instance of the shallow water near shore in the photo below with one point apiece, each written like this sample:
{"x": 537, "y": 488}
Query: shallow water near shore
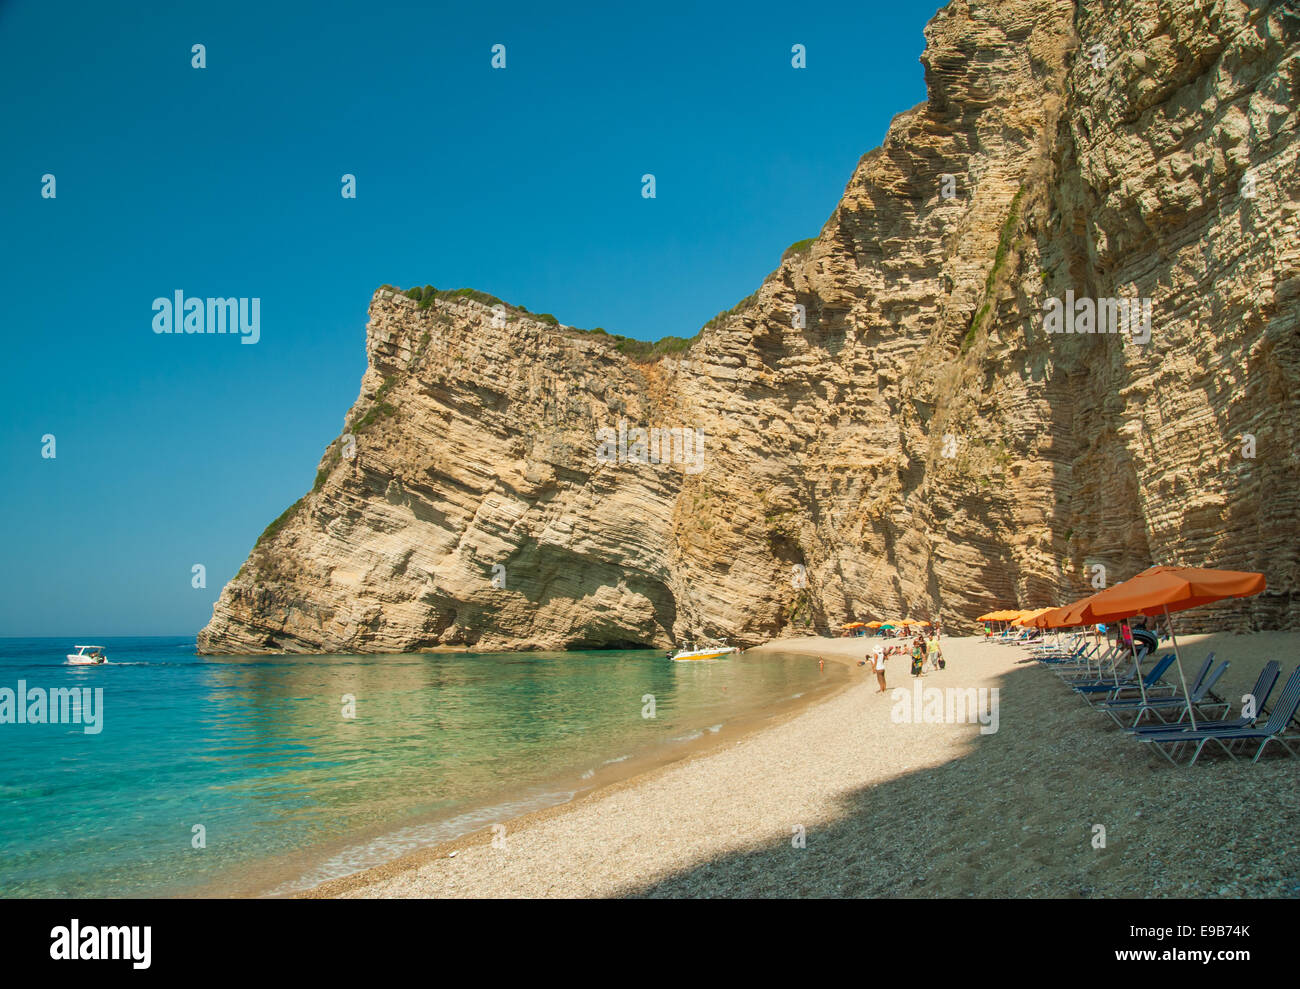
{"x": 255, "y": 756}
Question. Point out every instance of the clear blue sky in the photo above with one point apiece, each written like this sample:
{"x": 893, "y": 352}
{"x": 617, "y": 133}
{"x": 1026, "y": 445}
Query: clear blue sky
{"x": 225, "y": 181}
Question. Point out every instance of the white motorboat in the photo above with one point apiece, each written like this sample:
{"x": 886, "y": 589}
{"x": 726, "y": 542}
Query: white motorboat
{"x": 87, "y": 656}
{"x": 711, "y": 650}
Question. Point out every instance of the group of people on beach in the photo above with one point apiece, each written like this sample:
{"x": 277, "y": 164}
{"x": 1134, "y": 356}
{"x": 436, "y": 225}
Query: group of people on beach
{"x": 926, "y": 654}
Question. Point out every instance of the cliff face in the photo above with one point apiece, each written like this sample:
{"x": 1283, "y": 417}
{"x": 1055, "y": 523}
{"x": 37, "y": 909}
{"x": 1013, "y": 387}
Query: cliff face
{"x": 911, "y": 442}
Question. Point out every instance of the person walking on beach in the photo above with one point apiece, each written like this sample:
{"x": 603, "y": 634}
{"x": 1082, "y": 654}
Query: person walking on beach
{"x": 879, "y": 664}
{"x": 935, "y": 654}
{"x": 918, "y": 658}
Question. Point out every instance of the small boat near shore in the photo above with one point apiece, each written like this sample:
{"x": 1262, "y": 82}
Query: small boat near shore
{"x": 87, "y": 656}
{"x": 713, "y": 649}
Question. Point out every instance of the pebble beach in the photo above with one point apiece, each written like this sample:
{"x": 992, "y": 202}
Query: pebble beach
{"x": 850, "y": 798}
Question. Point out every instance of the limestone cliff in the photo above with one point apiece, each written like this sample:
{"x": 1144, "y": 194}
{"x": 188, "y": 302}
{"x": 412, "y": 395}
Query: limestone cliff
{"x": 911, "y": 441}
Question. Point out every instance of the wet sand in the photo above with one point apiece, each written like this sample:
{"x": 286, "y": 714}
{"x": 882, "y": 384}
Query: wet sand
{"x": 845, "y": 799}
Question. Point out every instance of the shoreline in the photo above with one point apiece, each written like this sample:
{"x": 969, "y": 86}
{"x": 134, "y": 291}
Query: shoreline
{"x": 295, "y": 872}
{"x": 843, "y": 652}
{"x": 897, "y": 809}
{"x": 622, "y": 777}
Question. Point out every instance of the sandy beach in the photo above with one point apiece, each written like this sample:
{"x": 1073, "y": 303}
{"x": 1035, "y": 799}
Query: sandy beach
{"x": 844, "y": 799}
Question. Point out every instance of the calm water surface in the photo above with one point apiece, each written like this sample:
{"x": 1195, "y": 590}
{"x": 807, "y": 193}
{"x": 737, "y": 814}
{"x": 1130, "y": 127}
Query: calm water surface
{"x": 257, "y": 751}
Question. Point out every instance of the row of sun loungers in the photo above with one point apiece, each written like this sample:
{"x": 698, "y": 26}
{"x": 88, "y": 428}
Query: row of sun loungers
{"x": 1011, "y": 636}
{"x": 1131, "y": 697}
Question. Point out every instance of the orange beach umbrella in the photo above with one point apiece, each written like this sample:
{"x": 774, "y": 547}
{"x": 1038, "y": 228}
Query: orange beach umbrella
{"x": 1067, "y": 615}
{"x": 1160, "y": 590}
{"x": 1164, "y": 589}
{"x": 1044, "y": 617}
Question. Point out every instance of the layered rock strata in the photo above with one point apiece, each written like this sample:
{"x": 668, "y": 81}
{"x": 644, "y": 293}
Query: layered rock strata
{"x": 887, "y": 427}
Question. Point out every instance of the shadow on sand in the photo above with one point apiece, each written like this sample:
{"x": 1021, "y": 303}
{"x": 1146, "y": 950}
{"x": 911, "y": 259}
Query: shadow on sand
{"x": 1016, "y": 815}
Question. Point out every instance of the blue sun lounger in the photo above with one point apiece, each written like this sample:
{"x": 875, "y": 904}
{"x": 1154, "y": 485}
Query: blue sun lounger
{"x": 1086, "y": 674}
{"x": 1201, "y": 687}
{"x": 1150, "y": 682}
{"x": 1059, "y": 654}
{"x": 1078, "y": 657}
{"x": 1264, "y": 685}
{"x": 1086, "y": 664}
{"x": 1276, "y": 729}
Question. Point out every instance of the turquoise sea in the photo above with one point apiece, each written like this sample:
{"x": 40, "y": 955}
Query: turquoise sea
{"x": 255, "y": 756}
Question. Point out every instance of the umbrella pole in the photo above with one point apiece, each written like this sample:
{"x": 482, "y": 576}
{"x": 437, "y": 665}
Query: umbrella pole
{"x": 1137, "y": 663}
{"x": 1114, "y": 655}
{"x": 1179, "y": 660}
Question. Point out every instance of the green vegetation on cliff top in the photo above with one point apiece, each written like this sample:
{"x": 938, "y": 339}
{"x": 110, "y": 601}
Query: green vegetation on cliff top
{"x": 642, "y": 350}
{"x": 269, "y": 532}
